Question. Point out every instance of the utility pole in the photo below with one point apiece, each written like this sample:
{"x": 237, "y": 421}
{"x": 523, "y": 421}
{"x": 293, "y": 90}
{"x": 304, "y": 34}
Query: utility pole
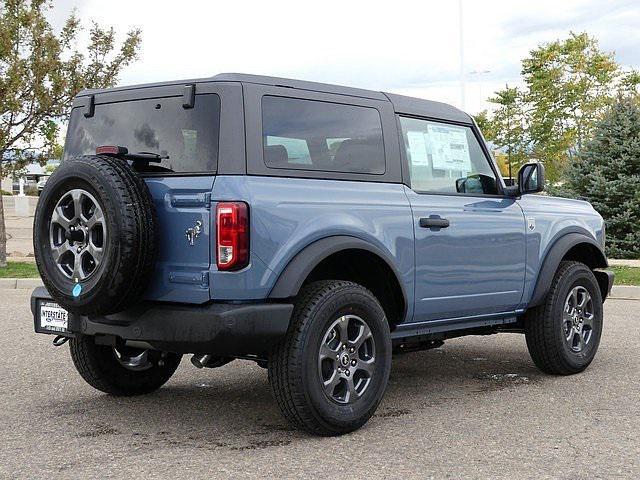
{"x": 478, "y": 74}
{"x": 462, "y": 99}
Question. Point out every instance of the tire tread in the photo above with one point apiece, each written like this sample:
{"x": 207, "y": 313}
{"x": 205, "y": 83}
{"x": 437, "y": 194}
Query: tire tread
{"x": 99, "y": 368}
{"x": 285, "y": 362}
{"x": 540, "y": 327}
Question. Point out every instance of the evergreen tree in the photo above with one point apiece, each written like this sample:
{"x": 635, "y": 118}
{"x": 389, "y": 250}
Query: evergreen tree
{"x": 607, "y": 174}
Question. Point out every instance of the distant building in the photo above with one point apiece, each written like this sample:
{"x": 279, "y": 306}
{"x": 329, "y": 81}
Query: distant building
{"x": 32, "y": 174}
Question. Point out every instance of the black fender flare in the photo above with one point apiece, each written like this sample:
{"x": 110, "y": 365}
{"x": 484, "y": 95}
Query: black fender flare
{"x": 302, "y": 264}
{"x": 553, "y": 258}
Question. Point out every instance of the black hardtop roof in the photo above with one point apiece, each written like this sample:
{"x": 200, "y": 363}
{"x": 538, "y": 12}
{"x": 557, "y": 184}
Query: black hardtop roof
{"x": 402, "y": 104}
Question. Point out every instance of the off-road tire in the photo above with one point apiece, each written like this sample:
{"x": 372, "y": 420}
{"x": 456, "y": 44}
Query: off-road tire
{"x": 293, "y": 368}
{"x": 99, "y": 367}
{"x": 131, "y": 244}
{"x": 543, "y": 324}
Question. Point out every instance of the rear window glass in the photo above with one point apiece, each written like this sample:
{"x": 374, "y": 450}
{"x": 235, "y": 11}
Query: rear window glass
{"x": 312, "y": 135}
{"x": 187, "y": 137}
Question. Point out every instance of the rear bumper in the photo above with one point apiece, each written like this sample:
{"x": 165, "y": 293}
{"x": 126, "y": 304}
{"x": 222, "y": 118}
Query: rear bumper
{"x": 217, "y": 328}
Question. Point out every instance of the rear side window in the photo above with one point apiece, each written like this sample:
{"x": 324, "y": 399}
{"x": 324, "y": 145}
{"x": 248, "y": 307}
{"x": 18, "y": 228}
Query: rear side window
{"x": 312, "y": 135}
{"x": 187, "y": 137}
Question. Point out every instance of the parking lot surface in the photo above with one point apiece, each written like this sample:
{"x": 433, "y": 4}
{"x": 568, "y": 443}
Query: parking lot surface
{"x": 475, "y": 408}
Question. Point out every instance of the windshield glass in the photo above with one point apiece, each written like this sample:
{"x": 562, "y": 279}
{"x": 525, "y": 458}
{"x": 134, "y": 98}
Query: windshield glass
{"x": 188, "y": 137}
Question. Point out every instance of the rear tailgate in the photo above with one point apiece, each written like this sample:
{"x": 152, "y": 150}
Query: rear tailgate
{"x": 183, "y": 132}
{"x": 184, "y": 243}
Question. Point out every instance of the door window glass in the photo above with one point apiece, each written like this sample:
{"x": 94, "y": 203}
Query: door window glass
{"x": 446, "y": 158}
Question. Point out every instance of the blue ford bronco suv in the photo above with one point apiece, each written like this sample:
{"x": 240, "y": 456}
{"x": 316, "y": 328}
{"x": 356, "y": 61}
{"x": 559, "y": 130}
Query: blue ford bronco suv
{"x": 311, "y": 228}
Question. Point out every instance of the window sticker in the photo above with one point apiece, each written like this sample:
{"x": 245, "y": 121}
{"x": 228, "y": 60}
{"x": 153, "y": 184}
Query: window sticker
{"x": 449, "y": 148}
{"x": 418, "y": 148}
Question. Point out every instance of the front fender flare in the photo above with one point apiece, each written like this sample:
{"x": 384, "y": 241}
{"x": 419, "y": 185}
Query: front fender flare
{"x": 553, "y": 258}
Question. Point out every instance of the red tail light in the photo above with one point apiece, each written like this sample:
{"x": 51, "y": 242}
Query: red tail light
{"x": 232, "y": 235}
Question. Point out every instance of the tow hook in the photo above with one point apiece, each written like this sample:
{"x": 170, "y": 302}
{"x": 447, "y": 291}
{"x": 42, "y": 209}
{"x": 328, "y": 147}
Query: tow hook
{"x": 60, "y": 340}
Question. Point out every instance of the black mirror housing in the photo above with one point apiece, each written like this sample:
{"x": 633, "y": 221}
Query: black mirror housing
{"x": 531, "y": 178}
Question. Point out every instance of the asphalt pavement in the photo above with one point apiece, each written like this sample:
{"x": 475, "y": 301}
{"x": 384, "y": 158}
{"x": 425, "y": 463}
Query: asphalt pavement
{"x": 475, "y": 408}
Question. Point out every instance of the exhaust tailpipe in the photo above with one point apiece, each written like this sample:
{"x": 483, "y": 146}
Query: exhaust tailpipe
{"x": 200, "y": 361}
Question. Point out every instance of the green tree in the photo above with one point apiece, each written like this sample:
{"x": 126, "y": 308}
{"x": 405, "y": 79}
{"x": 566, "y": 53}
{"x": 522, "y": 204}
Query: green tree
{"x": 509, "y": 127}
{"x": 568, "y": 85}
{"x": 485, "y": 123}
{"x": 40, "y": 73}
{"x": 607, "y": 173}
{"x": 56, "y": 151}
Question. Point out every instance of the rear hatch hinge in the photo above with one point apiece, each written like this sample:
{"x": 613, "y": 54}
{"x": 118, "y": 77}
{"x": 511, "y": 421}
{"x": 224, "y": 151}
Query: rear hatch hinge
{"x": 190, "y": 278}
{"x": 191, "y": 201}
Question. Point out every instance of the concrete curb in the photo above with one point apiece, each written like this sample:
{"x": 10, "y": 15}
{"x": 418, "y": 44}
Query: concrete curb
{"x": 8, "y": 283}
{"x": 625, "y": 292}
{"x": 28, "y": 283}
{"x": 19, "y": 283}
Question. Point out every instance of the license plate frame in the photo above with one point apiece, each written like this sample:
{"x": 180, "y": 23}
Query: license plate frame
{"x": 51, "y": 318}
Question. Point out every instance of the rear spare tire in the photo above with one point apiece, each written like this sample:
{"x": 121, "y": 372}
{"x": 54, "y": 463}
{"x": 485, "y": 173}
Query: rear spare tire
{"x": 95, "y": 235}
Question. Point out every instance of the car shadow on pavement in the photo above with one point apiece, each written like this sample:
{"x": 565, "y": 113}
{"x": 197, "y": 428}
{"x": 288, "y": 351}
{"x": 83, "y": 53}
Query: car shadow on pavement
{"x": 235, "y": 401}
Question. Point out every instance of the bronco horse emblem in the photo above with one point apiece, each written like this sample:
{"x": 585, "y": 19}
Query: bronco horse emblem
{"x": 193, "y": 233}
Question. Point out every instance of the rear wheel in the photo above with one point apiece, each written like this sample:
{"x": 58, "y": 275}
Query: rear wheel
{"x": 564, "y": 332}
{"x": 122, "y": 371}
{"x": 330, "y": 372}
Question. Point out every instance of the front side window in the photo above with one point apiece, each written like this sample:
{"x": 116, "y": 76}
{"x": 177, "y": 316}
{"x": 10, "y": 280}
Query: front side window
{"x": 446, "y": 158}
{"x": 186, "y": 139}
{"x": 312, "y": 135}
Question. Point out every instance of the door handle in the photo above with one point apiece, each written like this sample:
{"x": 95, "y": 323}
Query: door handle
{"x": 434, "y": 222}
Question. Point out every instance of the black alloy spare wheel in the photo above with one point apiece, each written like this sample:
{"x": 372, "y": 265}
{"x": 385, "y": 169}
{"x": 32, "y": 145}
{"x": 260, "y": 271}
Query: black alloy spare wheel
{"x": 95, "y": 235}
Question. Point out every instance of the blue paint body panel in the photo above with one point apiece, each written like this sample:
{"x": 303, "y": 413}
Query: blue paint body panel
{"x": 288, "y": 214}
{"x": 182, "y": 270}
{"x": 554, "y": 218}
{"x": 473, "y": 267}
{"x": 485, "y": 265}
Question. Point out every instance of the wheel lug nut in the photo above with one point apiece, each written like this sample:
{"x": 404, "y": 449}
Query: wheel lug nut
{"x": 346, "y": 372}
{"x": 353, "y": 362}
{"x": 351, "y": 350}
{"x": 344, "y": 346}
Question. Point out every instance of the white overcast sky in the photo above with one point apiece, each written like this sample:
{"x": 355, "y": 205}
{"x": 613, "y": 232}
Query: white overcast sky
{"x": 400, "y": 46}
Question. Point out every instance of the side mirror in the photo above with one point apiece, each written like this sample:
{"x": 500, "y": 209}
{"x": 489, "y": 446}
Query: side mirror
{"x": 531, "y": 178}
